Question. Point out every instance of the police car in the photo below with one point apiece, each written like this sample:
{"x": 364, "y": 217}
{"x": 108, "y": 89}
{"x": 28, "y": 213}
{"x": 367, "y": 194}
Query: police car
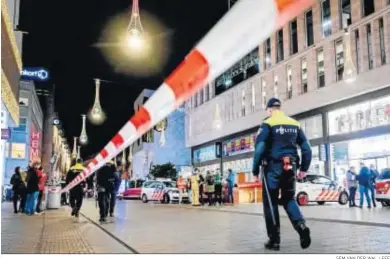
{"x": 164, "y": 191}
{"x": 320, "y": 189}
{"x": 383, "y": 187}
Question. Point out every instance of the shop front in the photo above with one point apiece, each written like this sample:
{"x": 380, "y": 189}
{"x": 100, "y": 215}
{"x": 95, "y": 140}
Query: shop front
{"x": 207, "y": 158}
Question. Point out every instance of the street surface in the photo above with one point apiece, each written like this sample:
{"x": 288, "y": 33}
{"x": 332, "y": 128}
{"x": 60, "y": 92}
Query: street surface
{"x": 158, "y": 228}
{"x": 53, "y": 232}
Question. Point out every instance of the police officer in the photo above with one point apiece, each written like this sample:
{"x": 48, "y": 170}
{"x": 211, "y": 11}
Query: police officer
{"x": 276, "y": 150}
{"x": 105, "y": 181}
{"x": 76, "y": 194}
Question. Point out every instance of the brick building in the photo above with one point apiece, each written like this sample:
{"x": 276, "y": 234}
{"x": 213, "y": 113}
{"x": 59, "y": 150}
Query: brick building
{"x": 303, "y": 64}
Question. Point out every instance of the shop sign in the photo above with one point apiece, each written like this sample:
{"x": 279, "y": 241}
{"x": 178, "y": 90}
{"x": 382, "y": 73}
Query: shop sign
{"x": 5, "y": 133}
{"x": 35, "y": 145}
{"x": 36, "y": 74}
{"x": 239, "y": 145}
{"x": 205, "y": 154}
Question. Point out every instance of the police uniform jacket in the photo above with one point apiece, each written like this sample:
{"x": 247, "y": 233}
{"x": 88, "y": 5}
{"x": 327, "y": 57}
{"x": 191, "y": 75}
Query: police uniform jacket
{"x": 73, "y": 172}
{"x": 279, "y": 136}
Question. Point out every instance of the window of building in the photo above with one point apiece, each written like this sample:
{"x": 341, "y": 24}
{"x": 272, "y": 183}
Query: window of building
{"x": 357, "y": 47}
{"x": 369, "y": 47}
{"x": 267, "y": 53}
{"x": 253, "y": 104}
{"x": 320, "y": 68}
{"x": 309, "y": 28}
{"x": 196, "y": 100}
{"x": 339, "y": 52}
{"x": 289, "y": 83}
{"x": 22, "y": 125}
{"x": 264, "y": 93}
{"x": 312, "y": 126}
{"x": 326, "y": 18}
{"x": 18, "y": 150}
{"x": 207, "y": 93}
{"x": 243, "y": 102}
{"x": 201, "y": 95}
{"x": 279, "y": 46}
{"x": 382, "y": 41}
{"x": 345, "y": 13}
{"x": 7, "y": 144}
{"x": 368, "y": 7}
{"x": 304, "y": 75}
{"x": 293, "y": 37}
{"x": 275, "y": 86}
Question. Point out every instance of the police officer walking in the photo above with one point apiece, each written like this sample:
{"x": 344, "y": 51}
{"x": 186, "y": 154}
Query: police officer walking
{"x": 76, "y": 194}
{"x": 276, "y": 151}
{"x": 105, "y": 183}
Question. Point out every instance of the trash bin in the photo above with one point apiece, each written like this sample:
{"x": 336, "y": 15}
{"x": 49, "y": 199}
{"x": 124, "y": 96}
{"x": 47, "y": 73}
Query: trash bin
{"x": 54, "y": 197}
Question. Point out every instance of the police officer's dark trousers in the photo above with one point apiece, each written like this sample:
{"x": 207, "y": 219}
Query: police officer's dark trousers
{"x": 110, "y": 201}
{"x": 76, "y": 199}
{"x": 278, "y": 179}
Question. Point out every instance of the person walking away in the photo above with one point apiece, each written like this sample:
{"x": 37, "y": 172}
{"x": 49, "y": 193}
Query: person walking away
{"x": 42, "y": 181}
{"x": 19, "y": 190}
{"x": 105, "y": 178}
{"x": 351, "y": 185}
{"x": 364, "y": 179}
{"x": 231, "y": 181}
{"x": 189, "y": 189}
{"x": 374, "y": 174}
{"x": 218, "y": 188}
{"x": 32, "y": 190}
{"x": 201, "y": 188}
{"x": 76, "y": 194}
{"x": 181, "y": 186}
{"x": 117, "y": 184}
{"x": 276, "y": 150}
{"x": 210, "y": 188}
{"x": 195, "y": 188}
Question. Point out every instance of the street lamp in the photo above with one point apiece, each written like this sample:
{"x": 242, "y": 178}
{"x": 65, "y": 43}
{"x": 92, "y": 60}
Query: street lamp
{"x": 350, "y": 73}
{"x": 83, "y": 136}
{"x": 96, "y": 114}
{"x": 135, "y": 38}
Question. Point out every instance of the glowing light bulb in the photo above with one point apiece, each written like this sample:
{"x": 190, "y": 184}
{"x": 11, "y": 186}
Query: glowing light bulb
{"x": 135, "y": 40}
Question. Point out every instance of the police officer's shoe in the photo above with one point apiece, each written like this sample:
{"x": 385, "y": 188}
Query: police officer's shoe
{"x": 272, "y": 245}
{"x": 111, "y": 215}
{"x": 102, "y": 220}
{"x": 73, "y": 212}
{"x": 304, "y": 235}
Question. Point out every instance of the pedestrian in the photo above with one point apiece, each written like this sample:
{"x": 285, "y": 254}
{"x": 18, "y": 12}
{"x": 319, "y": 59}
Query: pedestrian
{"x": 189, "y": 189}
{"x": 210, "y": 188}
{"x": 351, "y": 185}
{"x": 117, "y": 184}
{"x": 195, "y": 187}
{"x": 276, "y": 150}
{"x": 42, "y": 181}
{"x": 374, "y": 174}
{"x": 364, "y": 179}
{"x": 105, "y": 184}
{"x": 19, "y": 190}
{"x": 76, "y": 194}
{"x": 201, "y": 188}
{"x": 218, "y": 188}
{"x": 32, "y": 189}
{"x": 231, "y": 181}
{"x": 181, "y": 186}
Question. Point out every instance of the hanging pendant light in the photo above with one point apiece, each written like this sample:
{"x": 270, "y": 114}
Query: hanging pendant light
{"x": 123, "y": 160}
{"x": 217, "y": 123}
{"x": 78, "y": 152}
{"x": 96, "y": 115}
{"x": 135, "y": 39}
{"x": 74, "y": 152}
{"x": 130, "y": 157}
{"x": 83, "y": 139}
{"x": 350, "y": 73}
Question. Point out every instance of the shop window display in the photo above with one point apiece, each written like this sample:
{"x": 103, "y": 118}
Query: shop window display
{"x": 360, "y": 116}
{"x": 18, "y": 150}
{"x": 316, "y": 166}
{"x": 312, "y": 126}
{"x": 240, "y": 166}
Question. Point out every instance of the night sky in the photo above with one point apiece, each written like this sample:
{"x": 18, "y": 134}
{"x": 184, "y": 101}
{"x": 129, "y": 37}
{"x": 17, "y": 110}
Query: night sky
{"x": 61, "y": 38}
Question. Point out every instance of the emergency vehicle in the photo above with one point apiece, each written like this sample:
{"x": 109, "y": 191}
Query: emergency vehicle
{"x": 383, "y": 188}
{"x": 320, "y": 189}
{"x": 163, "y": 190}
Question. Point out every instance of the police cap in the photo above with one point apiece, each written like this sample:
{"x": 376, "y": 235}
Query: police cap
{"x": 273, "y": 102}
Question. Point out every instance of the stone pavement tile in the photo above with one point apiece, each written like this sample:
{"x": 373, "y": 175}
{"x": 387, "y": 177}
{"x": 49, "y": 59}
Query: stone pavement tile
{"x": 153, "y": 228}
{"x": 53, "y": 232}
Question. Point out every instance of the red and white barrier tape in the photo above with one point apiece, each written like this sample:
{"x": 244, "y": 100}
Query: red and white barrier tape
{"x": 243, "y": 28}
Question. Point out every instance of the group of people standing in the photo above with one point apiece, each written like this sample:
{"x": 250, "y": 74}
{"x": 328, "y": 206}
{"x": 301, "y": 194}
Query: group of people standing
{"x": 209, "y": 188}
{"x": 365, "y": 180}
{"x": 28, "y": 189}
{"x": 107, "y": 181}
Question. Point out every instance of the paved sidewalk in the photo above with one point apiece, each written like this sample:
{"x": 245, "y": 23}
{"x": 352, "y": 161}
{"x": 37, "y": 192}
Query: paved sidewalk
{"x": 160, "y": 228}
{"x": 53, "y": 232}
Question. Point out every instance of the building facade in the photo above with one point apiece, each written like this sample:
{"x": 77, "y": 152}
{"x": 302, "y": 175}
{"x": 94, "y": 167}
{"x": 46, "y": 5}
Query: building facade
{"x": 11, "y": 66}
{"x": 165, "y": 143}
{"x": 302, "y": 64}
{"x": 25, "y": 142}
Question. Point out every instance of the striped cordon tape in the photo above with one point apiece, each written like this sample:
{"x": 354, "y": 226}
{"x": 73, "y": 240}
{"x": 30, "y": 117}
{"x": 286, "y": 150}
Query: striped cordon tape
{"x": 243, "y": 28}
